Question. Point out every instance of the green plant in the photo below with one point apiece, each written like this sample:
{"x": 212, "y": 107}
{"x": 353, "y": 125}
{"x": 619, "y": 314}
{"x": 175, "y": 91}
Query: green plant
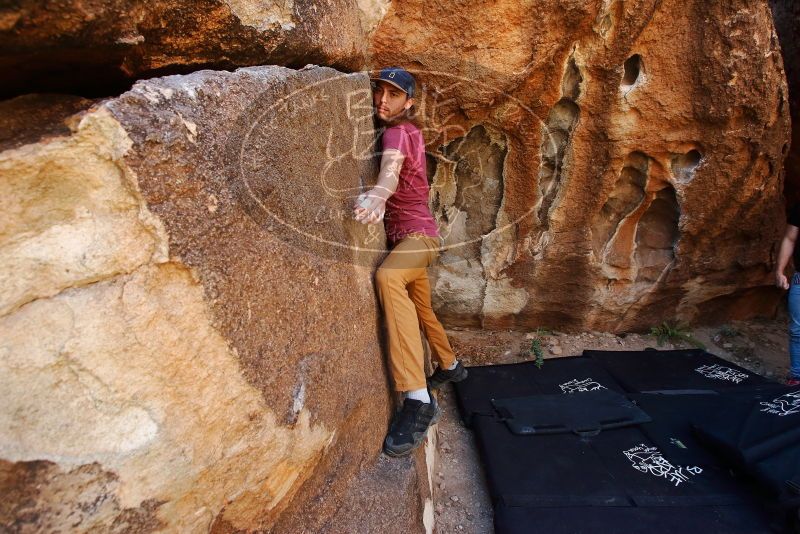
{"x": 536, "y": 350}
{"x": 667, "y": 332}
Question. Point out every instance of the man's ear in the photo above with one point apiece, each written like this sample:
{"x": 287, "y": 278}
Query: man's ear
{"x": 409, "y": 103}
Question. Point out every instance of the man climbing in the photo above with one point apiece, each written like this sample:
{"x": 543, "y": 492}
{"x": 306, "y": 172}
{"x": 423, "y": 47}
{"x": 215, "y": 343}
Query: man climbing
{"x": 400, "y": 199}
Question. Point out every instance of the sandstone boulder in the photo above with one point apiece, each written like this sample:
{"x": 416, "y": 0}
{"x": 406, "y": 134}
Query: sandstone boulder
{"x": 99, "y": 48}
{"x": 599, "y": 165}
{"x": 786, "y": 15}
{"x": 189, "y": 336}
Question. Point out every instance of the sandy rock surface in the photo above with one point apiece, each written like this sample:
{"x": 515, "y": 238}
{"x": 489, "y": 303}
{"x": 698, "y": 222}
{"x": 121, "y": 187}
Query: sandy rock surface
{"x": 176, "y": 264}
{"x": 599, "y": 165}
{"x": 189, "y": 335}
{"x": 100, "y": 48}
{"x": 786, "y": 14}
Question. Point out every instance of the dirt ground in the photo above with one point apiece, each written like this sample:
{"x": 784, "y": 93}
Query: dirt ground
{"x": 461, "y": 499}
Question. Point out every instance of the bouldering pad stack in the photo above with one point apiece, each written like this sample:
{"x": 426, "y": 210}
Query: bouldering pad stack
{"x": 649, "y": 441}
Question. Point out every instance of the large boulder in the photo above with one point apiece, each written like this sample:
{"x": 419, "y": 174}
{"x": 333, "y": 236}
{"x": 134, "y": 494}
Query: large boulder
{"x": 99, "y": 48}
{"x": 602, "y": 165}
{"x": 189, "y": 336}
{"x": 786, "y": 14}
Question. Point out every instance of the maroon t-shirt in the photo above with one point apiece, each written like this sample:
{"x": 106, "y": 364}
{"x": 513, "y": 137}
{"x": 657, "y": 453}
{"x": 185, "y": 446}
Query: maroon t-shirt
{"x": 407, "y": 209}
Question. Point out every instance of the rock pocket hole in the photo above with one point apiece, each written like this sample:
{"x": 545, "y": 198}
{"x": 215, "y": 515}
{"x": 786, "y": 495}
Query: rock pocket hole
{"x": 557, "y": 131}
{"x": 627, "y": 196}
{"x": 631, "y": 70}
{"x": 656, "y": 236}
{"x": 571, "y": 83}
{"x": 478, "y": 180}
{"x": 683, "y": 166}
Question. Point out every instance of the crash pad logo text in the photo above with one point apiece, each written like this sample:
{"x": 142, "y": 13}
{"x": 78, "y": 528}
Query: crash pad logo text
{"x": 650, "y": 460}
{"x": 786, "y": 404}
{"x": 577, "y": 386}
{"x": 720, "y": 372}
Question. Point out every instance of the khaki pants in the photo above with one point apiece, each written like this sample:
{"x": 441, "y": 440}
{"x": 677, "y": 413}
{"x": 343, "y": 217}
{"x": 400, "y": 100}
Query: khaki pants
{"x": 405, "y": 295}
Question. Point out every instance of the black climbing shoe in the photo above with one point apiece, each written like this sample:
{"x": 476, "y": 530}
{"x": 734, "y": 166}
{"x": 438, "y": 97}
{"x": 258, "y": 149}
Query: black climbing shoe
{"x": 409, "y": 426}
{"x": 441, "y": 376}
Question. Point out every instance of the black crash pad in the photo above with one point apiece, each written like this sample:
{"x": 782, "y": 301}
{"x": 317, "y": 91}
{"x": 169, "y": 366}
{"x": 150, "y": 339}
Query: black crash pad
{"x": 684, "y": 370}
{"x": 555, "y": 470}
{"x": 563, "y": 375}
{"x": 618, "y": 467}
{"x": 754, "y": 424}
{"x": 779, "y": 475}
{"x": 671, "y": 428}
{"x": 735, "y": 519}
{"x": 588, "y": 412}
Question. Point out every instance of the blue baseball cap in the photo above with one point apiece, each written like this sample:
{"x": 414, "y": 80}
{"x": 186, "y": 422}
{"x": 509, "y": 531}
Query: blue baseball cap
{"x": 399, "y": 77}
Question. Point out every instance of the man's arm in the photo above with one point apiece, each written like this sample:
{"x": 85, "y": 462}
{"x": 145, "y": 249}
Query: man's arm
{"x": 371, "y": 206}
{"x": 787, "y": 248}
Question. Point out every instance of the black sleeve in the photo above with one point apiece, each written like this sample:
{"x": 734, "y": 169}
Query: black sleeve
{"x": 793, "y": 215}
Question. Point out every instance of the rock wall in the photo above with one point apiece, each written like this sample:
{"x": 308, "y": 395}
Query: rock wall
{"x": 175, "y": 266}
{"x": 624, "y": 157}
{"x": 582, "y": 115}
{"x": 100, "y": 48}
{"x": 189, "y": 338}
{"x": 786, "y": 15}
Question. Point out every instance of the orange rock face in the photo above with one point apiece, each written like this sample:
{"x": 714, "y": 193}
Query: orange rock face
{"x": 190, "y": 336}
{"x": 786, "y": 15}
{"x": 603, "y": 165}
{"x": 100, "y": 48}
{"x": 188, "y": 327}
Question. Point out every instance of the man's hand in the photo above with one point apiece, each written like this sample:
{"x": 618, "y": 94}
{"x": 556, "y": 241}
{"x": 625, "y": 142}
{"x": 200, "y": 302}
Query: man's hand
{"x": 781, "y": 281}
{"x": 369, "y": 207}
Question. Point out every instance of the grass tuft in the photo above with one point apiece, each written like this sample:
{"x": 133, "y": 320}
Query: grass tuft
{"x": 677, "y": 332}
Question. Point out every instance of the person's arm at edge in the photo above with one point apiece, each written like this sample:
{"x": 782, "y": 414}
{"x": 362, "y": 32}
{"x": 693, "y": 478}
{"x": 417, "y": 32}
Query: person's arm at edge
{"x": 373, "y": 209}
{"x": 786, "y": 250}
